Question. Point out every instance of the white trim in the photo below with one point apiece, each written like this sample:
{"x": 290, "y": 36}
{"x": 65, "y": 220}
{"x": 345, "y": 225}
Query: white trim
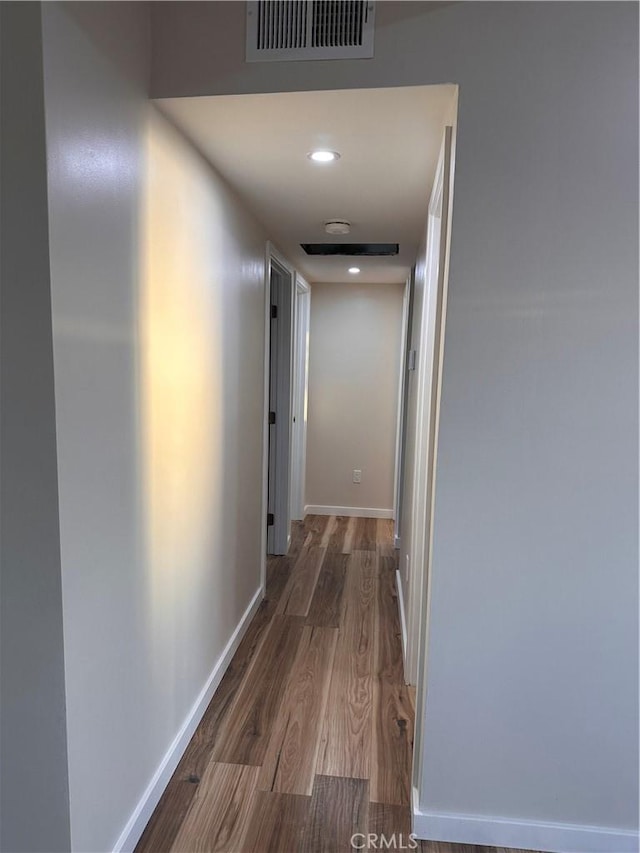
{"x": 350, "y": 511}
{"x": 429, "y": 370}
{"x": 398, "y": 478}
{"x": 265, "y": 419}
{"x": 403, "y": 621}
{"x": 276, "y": 254}
{"x": 419, "y": 612}
{"x": 142, "y": 813}
{"x": 301, "y": 322}
{"x": 519, "y": 834}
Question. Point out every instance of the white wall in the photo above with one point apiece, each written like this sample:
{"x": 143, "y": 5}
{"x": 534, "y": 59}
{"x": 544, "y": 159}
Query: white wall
{"x": 157, "y": 288}
{"x": 532, "y": 707}
{"x": 34, "y": 789}
{"x": 354, "y": 364}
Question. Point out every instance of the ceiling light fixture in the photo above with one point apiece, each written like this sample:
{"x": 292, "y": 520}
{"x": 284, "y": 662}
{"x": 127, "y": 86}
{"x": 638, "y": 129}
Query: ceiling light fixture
{"x": 337, "y": 226}
{"x": 354, "y": 270}
{"x": 323, "y": 156}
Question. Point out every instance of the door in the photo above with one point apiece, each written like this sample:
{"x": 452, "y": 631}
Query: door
{"x": 279, "y": 412}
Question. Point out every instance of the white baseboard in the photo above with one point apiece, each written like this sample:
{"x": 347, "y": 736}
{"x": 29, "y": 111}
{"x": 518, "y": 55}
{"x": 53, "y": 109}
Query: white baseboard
{"x": 403, "y": 621}
{"x": 531, "y": 835}
{"x": 350, "y": 511}
{"x": 142, "y": 813}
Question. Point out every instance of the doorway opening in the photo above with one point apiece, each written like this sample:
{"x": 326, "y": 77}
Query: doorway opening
{"x": 279, "y": 351}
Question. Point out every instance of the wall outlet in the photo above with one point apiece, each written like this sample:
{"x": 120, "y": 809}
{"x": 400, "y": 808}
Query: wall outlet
{"x": 357, "y": 475}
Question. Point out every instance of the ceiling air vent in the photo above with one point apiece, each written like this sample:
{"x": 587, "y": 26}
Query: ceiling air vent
{"x": 361, "y": 250}
{"x": 285, "y": 30}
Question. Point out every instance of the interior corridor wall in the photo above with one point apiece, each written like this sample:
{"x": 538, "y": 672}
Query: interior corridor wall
{"x": 157, "y": 294}
{"x": 532, "y": 705}
{"x": 34, "y": 789}
{"x": 354, "y": 373}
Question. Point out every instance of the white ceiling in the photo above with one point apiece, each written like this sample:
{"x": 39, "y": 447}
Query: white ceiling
{"x": 389, "y": 140}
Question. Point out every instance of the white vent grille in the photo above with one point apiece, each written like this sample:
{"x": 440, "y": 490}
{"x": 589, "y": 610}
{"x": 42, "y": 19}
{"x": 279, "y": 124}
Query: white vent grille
{"x": 280, "y": 30}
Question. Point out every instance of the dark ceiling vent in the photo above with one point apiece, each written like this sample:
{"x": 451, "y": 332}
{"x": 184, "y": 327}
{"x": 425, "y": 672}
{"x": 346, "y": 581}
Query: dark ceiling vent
{"x": 371, "y": 250}
{"x": 285, "y": 30}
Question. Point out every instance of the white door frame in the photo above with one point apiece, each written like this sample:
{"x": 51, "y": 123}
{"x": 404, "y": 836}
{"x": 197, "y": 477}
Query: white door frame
{"x": 302, "y": 313}
{"x": 425, "y": 358}
{"x": 398, "y": 482}
{"x": 275, "y": 539}
{"x": 440, "y": 206}
{"x": 428, "y": 379}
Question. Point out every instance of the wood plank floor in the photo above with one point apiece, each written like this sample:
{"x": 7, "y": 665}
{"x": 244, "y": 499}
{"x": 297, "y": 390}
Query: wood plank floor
{"x": 308, "y": 738}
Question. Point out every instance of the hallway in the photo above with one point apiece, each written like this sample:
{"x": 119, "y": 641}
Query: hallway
{"x": 308, "y": 738}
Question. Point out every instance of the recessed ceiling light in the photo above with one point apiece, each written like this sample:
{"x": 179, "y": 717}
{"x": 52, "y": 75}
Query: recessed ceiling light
{"x": 354, "y": 270}
{"x": 323, "y": 156}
